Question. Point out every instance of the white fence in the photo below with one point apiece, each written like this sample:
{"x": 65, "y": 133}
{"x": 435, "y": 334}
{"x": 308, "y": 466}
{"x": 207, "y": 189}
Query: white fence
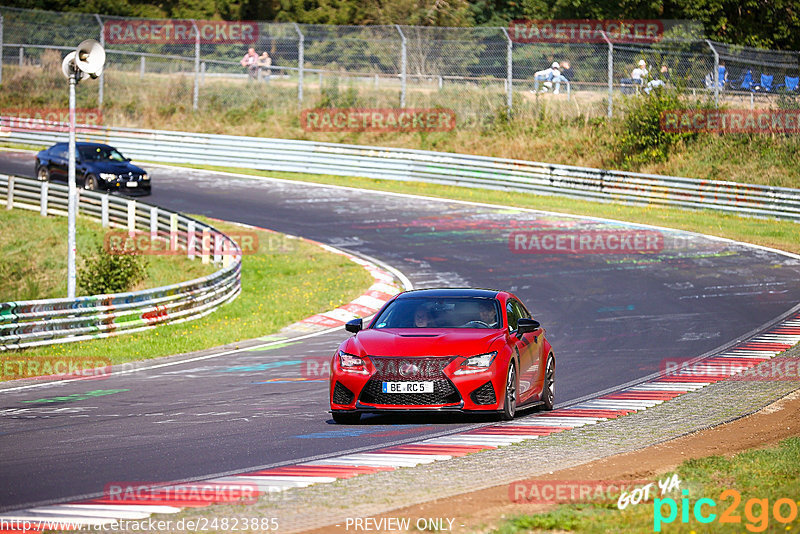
{"x": 45, "y": 322}
{"x": 426, "y": 166}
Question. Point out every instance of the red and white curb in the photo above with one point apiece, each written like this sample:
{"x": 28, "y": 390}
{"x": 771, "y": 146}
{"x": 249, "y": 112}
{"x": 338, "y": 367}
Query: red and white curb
{"x": 729, "y": 363}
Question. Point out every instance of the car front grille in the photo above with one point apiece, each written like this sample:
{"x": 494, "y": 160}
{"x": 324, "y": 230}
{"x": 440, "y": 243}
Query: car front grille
{"x": 427, "y": 369}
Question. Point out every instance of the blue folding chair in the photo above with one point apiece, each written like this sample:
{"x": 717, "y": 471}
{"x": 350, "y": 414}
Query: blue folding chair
{"x": 790, "y": 83}
{"x": 766, "y": 83}
{"x": 745, "y": 82}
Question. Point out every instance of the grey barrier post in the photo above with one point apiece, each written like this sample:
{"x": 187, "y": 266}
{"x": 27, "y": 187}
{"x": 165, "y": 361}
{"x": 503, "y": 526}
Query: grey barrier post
{"x": 610, "y": 111}
{"x": 104, "y": 211}
{"x": 196, "y": 92}
{"x": 10, "y": 195}
{"x": 716, "y": 73}
{"x": 403, "y": 66}
{"x": 300, "y": 61}
{"x": 141, "y": 67}
{"x": 45, "y": 188}
{"x": 100, "y": 87}
{"x": 509, "y": 71}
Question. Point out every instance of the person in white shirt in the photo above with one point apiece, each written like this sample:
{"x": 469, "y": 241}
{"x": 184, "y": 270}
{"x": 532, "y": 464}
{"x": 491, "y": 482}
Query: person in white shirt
{"x": 549, "y": 77}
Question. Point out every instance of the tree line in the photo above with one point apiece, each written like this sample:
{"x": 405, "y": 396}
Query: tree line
{"x": 773, "y": 24}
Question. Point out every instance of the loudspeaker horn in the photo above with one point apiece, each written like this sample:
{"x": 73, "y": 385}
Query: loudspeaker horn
{"x": 90, "y": 57}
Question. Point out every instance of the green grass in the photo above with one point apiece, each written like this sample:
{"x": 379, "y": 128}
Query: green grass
{"x": 33, "y": 262}
{"x": 285, "y": 281}
{"x": 783, "y": 235}
{"x": 764, "y": 474}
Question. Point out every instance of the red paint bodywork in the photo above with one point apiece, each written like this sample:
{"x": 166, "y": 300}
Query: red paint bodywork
{"x": 528, "y": 352}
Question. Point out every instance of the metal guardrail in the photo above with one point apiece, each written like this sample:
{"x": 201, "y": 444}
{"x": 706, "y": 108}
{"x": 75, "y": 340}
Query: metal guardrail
{"x": 422, "y": 166}
{"x": 45, "y": 322}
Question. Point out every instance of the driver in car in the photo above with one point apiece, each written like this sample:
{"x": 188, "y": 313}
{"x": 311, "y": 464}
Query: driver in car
{"x": 488, "y": 314}
{"x": 422, "y": 318}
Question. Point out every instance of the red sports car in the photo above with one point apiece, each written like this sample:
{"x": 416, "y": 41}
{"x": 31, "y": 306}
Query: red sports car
{"x": 470, "y": 350}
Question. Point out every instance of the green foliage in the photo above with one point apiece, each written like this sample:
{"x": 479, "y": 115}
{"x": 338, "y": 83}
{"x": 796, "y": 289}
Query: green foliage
{"x": 640, "y": 139}
{"x": 110, "y": 273}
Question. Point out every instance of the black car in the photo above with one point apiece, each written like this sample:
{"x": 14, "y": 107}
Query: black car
{"x": 97, "y": 167}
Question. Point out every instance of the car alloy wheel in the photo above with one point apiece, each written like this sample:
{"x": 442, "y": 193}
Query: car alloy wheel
{"x": 90, "y": 183}
{"x": 510, "y": 404}
{"x": 549, "y": 386}
{"x": 43, "y": 174}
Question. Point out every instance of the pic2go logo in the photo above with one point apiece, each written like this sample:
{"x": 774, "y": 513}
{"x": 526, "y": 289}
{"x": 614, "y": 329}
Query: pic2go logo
{"x": 756, "y": 511}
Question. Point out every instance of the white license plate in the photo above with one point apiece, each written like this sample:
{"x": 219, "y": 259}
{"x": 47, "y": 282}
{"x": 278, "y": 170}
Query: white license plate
{"x": 407, "y": 387}
{"x": 133, "y": 184}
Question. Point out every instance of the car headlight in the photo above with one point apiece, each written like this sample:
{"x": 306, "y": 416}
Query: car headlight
{"x": 476, "y": 364}
{"x": 352, "y": 363}
{"x": 145, "y": 177}
{"x": 107, "y": 176}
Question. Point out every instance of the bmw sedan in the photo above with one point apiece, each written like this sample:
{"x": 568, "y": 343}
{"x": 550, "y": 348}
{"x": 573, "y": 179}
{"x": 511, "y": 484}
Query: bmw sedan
{"x": 470, "y": 350}
{"x": 97, "y": 167}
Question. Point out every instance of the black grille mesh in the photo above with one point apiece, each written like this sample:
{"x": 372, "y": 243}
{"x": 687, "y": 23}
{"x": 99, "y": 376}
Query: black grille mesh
{"x": 342, "y": 395}
{"x": 484, "y": 394}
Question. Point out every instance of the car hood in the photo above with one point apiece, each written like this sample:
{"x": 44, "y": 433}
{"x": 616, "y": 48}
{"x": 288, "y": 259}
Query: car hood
{"x": 116, "y": 167}
{"x": 415, "y": 342}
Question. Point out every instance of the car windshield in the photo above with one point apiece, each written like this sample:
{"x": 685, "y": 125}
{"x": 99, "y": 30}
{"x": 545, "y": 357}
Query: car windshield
{"x": 440, "y": 312}
{"x": 100, "y": 153}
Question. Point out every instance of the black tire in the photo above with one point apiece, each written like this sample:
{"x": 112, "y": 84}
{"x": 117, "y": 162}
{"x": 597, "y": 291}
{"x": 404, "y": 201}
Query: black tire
{"x": 90, "y": 182}
{"x": 549, "y": 386}
{"x": 43, "y": 173}
{"x": 346, "y": 418}
{"x": 510, "y": 400}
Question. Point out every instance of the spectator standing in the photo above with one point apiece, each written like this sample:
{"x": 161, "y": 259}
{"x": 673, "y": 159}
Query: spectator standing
{"x": 264, "y": 64}
{"x": 640, "y": 72}
{"x": 250, "y": 62}
{"x": 566, "y": 70}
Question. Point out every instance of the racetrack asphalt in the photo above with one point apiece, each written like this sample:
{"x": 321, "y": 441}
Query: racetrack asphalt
{"x": 611, "y": 318}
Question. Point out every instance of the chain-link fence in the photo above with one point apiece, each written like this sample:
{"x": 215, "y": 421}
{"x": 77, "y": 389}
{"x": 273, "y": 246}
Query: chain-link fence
{"x": 477, "y": 72}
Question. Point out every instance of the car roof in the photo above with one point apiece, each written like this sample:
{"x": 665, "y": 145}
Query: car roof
{"x": 450, "y": 292}
{"x": 84, "y": 144}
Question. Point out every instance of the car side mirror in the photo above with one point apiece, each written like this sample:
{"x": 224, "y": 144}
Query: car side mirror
{"x": 127, "y": 159}
{"x": 526, "y": 326}
{"x": 354, "y": 326}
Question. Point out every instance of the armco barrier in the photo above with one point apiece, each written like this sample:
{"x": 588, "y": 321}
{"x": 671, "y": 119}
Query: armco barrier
{"x": 45, "y": 322}
{"x": 422, "y": 166}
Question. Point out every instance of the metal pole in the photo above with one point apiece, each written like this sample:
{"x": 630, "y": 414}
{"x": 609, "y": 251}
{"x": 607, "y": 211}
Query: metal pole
{"x": 196, "y": 92}
{"x": 403, "y": 66}
{"x": 102, "y": 73}
{"x": 716, "y": 73}
{"x": 73, "y": 191}
{"x": 301, "y": 46}
{"x": 509, "y": 71}
{"x": 141, "y": 67}
{"x": 1, "y": 49}
{"x": 610, "y": 111}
